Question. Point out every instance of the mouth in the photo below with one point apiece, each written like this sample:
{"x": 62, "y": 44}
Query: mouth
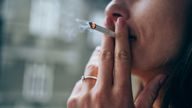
{"x": 132, "y": 35}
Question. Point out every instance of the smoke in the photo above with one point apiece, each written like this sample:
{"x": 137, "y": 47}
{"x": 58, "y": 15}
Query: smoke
{"x": 56, "y": 19}
{"x": 82, "y": 24}
{"x": 71, "y": 12}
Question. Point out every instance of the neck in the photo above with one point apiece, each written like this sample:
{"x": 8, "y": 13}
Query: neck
{"x": 145, "y": 77}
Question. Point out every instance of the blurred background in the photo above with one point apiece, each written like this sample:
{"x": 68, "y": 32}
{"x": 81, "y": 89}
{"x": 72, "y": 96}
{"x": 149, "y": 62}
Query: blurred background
{"x": 43, "y": 52}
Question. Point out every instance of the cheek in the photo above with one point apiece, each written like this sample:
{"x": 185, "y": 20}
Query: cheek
{"x": 158, "y": 46}
{"x": 161, "y": 36}
{"x": 155, "y": 54}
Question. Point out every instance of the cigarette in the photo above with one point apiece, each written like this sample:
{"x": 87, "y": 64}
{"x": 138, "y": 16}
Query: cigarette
{"x": 84, "y": 25}
{"x": 101, "y": 29}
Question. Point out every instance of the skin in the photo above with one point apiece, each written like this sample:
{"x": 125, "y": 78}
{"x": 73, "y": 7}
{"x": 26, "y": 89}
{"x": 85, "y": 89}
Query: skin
{"x": 158, "y": 25}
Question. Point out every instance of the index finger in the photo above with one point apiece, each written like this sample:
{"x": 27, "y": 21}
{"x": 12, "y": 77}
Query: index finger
{"x": 122, "y": 56}
{"x": 105, "y": 75}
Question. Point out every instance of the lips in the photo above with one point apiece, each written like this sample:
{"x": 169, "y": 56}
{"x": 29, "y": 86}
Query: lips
{"x": 132, "y": 35}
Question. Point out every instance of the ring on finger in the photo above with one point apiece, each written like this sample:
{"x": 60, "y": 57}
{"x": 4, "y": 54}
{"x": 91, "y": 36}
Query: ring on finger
{"x": 88, "y": 77}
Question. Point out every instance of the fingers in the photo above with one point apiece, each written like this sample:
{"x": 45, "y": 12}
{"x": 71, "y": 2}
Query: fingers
{"x": 150, "y": 92}
{"x": 91, "y": 69}
{"x": 94, "y": 60}
{"x": 83, "y": 87}
{"x": 122, "y": 55}
{"x": 77, "y": 88}
{"x": 105, "y": 75}
{"x": 115, "y": 71}
{"x": 72, "y": 101}
{"x": 89, "y": 83}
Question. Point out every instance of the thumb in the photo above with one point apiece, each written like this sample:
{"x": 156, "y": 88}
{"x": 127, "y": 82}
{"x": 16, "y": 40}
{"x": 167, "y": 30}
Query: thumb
{"x": 147, "y": 97}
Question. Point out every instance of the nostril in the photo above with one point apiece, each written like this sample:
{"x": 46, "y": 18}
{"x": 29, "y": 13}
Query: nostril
{"x": 116, "y": 15}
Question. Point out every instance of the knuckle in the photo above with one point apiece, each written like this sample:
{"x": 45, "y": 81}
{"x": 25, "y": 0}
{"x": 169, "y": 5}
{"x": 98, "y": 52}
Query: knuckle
{"x": 85, "y": 97}
{"x": 120, "y": 92}
{"x": 106, "y": 55}
{"x": 71, "y": 102}
{"x": 121, "y": 89}
{"x": 85, "y": 100}
{"x": 122, "y": 55}
{"x": 99, "y": 96}
{"x": 139, "y": 103}
{"x": 91, "y": 70}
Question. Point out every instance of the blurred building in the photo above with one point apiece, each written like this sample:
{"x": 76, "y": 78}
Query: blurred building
{"x": 43, "y": 51}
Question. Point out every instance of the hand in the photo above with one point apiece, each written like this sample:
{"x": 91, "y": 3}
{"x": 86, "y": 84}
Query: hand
{"x": 113, "y": 88}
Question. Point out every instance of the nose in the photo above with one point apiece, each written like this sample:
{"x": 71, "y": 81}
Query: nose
{"x": 117, "y": 8}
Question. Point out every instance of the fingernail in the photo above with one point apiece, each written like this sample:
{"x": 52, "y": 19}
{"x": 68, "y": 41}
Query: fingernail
{"x": 121, "y": 21}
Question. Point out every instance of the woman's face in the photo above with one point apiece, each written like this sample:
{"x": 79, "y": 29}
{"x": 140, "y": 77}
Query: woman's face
{"x": 158, "y": 26}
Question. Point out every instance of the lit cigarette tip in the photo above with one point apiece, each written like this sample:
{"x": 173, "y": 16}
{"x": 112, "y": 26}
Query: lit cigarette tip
{"x": 101, "y": 29}
{"x": 92, "y": 25}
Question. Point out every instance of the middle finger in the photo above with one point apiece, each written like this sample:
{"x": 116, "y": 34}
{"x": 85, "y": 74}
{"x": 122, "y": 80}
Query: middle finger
{"x": 106, "y": 62}
{"x": 122, "y": 75}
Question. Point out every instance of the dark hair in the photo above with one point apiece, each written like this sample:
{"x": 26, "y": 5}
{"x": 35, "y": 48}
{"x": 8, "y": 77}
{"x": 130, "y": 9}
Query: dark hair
{"x": 178, "y": 90}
